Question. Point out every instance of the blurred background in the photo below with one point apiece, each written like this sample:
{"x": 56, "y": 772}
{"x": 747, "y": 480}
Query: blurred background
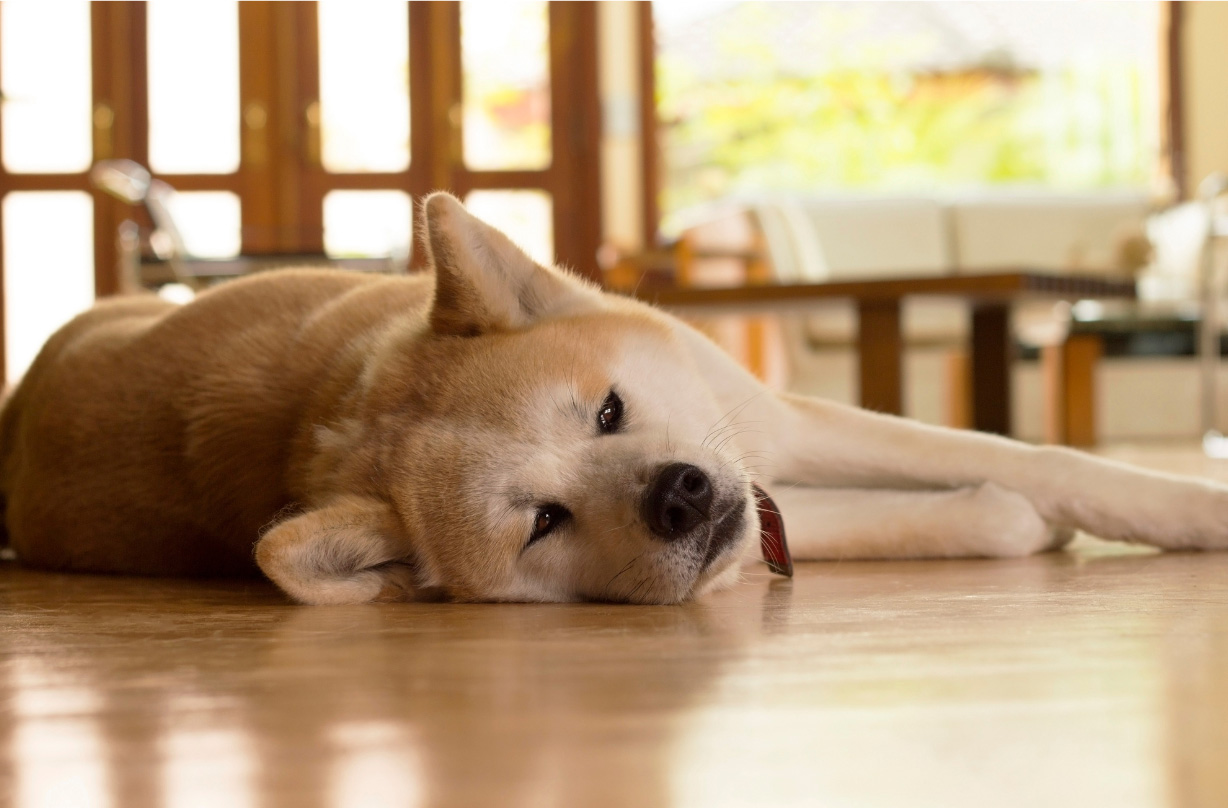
{"x": 642, "y": 144}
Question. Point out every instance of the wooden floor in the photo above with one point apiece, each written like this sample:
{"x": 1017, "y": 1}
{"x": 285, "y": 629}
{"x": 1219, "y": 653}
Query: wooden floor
{"x": 1097, "y": 677}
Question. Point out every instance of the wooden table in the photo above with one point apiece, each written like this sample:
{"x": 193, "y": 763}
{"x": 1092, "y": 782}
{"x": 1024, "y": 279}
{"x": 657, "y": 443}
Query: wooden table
{"x": 880, "y": 340}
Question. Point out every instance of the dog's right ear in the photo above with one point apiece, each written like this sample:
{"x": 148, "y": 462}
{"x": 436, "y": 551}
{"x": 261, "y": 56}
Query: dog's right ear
{"x": 351, "y": 551}
{"x": 484, "y": 282}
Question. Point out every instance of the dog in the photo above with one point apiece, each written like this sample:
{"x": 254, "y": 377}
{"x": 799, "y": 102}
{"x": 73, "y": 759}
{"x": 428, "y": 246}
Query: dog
{"x": 498, "y": 430}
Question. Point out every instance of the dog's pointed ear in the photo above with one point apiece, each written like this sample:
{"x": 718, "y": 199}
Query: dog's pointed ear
{"x": 351, "y": 551}
{"x": 484, "y": 282}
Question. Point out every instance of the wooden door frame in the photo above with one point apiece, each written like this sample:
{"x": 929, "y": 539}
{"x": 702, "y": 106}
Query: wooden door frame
{"x": 1172, "y": 105}
{"x": 279, "y": 181}
{"x": 436, "y": 135}
{"x": 650, "y": 143}
{"x": 575, "y": 171}
{"x": 573, "y": 178}
{"x": 120, "y": 67}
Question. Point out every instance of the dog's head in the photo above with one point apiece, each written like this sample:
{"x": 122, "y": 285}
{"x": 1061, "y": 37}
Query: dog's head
{"x": 532, "y": 440}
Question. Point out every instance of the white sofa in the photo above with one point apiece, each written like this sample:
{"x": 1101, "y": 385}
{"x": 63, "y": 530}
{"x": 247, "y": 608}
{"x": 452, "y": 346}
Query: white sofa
{"x": 822, "y": 238}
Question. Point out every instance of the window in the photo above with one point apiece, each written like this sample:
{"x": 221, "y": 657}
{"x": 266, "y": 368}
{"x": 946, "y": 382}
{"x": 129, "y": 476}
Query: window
{"x": 506, "y": 90}
{"x": 46, "y": 90}
{"x": 46, "y": 216}
{"x": 287, "y": 129}
{"x": 193, "y": 87}
{"x": 846, "y": 96}
{"x": 48, "y": 249}
{"x": 364, "y": 86}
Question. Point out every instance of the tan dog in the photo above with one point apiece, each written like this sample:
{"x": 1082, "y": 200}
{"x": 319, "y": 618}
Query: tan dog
{"x": 496, "y": 431}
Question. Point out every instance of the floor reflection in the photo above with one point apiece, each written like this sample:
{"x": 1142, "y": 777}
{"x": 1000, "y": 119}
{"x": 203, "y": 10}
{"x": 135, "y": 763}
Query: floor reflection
{"x": 1089, "y": 678}
{"x": 186, "y": 695}
{"x": 56, "y": 739}
{"x": 531, "y": 702}
{"x": 374, "y": 763}
{"x": 1197, "y": 706}
{"x": 208, "y": 766}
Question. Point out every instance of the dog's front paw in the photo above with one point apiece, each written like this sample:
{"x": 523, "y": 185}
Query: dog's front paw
{"x": 1200, "y": 519}
{"x": 1174, "y": 514}
{"x": 1010, "y": 526}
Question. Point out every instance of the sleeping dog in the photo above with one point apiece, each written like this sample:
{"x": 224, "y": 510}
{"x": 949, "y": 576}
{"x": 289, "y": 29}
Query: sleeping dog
{"x": 497, "y": 430}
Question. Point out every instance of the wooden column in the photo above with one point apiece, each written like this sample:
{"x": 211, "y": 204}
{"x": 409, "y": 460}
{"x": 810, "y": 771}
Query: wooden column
{"x": 650, "y": 154}
{"x": 120, "y": 117}
{"x": 575, "y": 133}
{"x": 992, "y": 352}
{"x": 3, "y": 323}
{"x": 880, "y": 355}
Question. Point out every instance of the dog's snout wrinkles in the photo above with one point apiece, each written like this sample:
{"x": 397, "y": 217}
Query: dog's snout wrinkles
{"x": 678, "y": 500}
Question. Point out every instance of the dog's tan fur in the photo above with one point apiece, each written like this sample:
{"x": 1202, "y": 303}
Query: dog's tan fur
{"x": 346, "y": 418}
{"x": 362, "y": 438}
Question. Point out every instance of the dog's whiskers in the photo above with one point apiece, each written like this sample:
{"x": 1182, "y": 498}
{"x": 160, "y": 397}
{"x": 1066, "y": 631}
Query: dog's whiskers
{"x": 619, "y": 527}
{"x": 765, "y": 462}
{"x": 735, "y": 435}
{"x": 643, "y": 581}
{"x": 712, "y": 433}
{"x": 716, "y": 430}
{"x": 610, "y": 582}
{"x": 737, "y": 409}
{"x": 725, "y": 440}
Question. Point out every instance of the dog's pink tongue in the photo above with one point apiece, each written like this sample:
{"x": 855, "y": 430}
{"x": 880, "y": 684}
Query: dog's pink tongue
{"x": 772, "y": 535}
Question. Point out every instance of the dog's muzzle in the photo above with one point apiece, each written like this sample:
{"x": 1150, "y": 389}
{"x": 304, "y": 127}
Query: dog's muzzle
{"x": 678, "y": 502}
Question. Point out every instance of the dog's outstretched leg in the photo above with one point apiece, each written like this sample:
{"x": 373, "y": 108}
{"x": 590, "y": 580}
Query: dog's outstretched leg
{"x": 840, "y": 523}
{"x": 819, "y": 443}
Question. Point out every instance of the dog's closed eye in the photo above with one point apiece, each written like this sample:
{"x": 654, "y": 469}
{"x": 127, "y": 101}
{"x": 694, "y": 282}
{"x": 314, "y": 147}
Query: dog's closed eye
{"x": 610, "y": 416}
{"x": 548, "y": 518}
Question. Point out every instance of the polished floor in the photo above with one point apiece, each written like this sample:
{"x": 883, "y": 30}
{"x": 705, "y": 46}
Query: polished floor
{"x": 1095, "y": 677}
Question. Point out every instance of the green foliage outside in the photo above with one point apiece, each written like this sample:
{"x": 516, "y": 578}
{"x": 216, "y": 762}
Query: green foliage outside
{"x": 763, "y": 129}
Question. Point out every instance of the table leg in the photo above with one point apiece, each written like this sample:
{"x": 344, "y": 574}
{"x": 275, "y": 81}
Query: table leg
{"x": 880, "y": 355}
{"x": 992, "y": 352}
{"x": 1069, "y": 371}
{"x": 1081, "y": 354}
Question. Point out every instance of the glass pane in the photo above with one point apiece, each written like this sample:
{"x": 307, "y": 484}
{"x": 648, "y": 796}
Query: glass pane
{"x": 823, "y": 98}
{"x": 45, "y": 69}
{"x": 360, "y": 224}
{"x": 193, "y": 87}
{"x": 48, "y": 268}
{"x": 527, "y": 217}
{"x": 507, "y": 89}
{"x": 210, "y": 222}
{"x": 364, "y": 86}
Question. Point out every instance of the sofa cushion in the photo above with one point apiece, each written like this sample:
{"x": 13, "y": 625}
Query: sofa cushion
{"x": 1044, "y": 231}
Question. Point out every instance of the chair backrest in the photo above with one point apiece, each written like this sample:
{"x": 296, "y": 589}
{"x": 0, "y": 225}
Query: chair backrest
{"x": 881, "y": 237}
{"x": 793, "y": 252}
{"x": 848, "y": 239}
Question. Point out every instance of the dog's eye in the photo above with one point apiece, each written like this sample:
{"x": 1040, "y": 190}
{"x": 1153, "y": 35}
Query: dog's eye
{"x": 610, "y": 416}
{"x": 548, "y": 518}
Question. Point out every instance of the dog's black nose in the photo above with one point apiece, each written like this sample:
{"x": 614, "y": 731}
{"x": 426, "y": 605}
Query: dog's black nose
{"x": 678, "y": 501}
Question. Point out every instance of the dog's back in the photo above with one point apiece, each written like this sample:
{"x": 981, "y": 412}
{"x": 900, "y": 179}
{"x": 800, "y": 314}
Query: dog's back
{"x": 153, "y": 438}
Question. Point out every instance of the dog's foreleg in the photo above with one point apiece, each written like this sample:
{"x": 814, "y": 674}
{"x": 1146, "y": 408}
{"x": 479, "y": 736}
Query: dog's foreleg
{"x": 819, "y": 443}
{"x": 986, "y": 521}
